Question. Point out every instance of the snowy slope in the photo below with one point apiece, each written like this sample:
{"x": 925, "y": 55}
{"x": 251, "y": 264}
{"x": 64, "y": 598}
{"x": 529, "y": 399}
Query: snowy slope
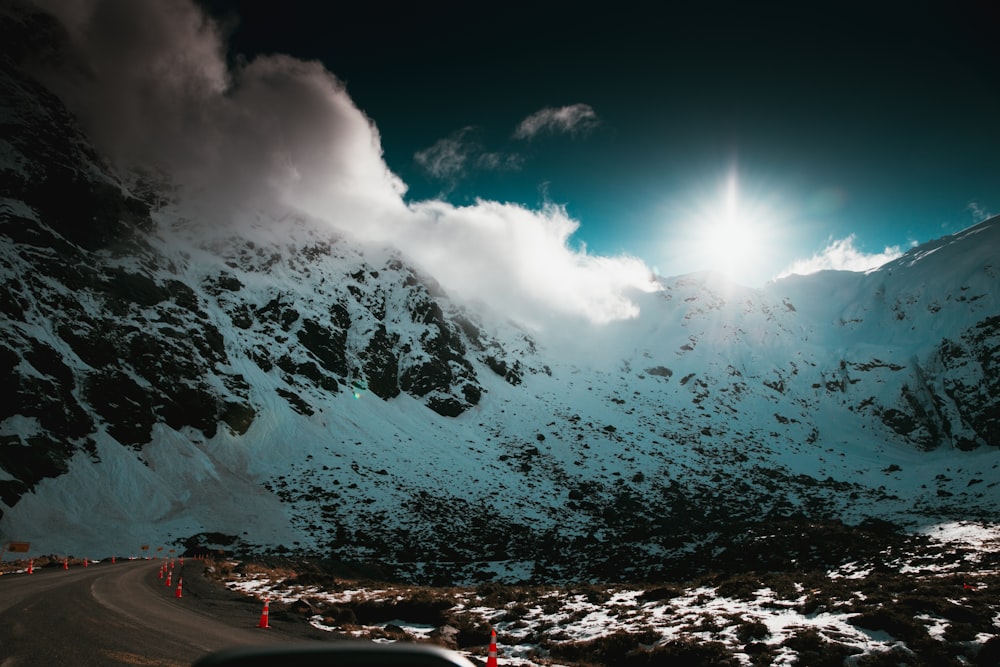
{"x": 274, "y": 385}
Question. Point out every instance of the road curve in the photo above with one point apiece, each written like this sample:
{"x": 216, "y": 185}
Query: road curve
{"x": 121, "y": 613}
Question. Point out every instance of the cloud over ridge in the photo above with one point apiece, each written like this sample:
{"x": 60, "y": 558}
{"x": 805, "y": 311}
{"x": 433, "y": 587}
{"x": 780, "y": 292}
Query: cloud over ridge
{"x": 151, "y": 83}
{"x": 153, "y": 88}
{"x": 842, "y": 255}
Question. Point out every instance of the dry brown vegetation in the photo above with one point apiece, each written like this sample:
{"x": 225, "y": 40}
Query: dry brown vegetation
{"x": 929, "y": 618}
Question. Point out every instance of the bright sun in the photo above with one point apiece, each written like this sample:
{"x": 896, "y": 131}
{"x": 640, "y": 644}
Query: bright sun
{"x": 733, "y": 228}
{"x": 730, "y": 236}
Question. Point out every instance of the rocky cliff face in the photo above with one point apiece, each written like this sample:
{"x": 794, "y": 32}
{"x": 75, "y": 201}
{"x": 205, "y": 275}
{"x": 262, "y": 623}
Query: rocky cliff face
{"x": 179, "y": 375}
{"x": 111, "y": 324}
{"x": 919, "y": 342}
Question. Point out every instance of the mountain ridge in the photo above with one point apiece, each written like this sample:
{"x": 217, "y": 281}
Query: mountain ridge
{"x": 276, "y": 386}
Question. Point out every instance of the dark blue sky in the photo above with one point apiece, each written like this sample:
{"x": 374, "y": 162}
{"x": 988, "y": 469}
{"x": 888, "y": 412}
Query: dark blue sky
{"x": 824, "y": 119}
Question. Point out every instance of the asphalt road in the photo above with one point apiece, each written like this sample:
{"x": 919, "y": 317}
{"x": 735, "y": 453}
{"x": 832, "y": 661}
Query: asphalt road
{"x": 122, "y": 613}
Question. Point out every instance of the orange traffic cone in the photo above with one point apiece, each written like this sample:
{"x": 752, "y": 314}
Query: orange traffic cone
{"x": 161, "y": 574}
{"x": 180, "y": 582}
{"x": 85, "y": 563}
{"x": 65, "y": 563}
{"x": 491, "y": 657}
{"x": 112, "y": 560}
{"x": 31, "y": 566}
{"x": 263, "y": 616}
{"x": 168, "y": 578}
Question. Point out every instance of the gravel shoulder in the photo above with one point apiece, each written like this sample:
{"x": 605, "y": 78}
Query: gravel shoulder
{"x": 205, "y": 593}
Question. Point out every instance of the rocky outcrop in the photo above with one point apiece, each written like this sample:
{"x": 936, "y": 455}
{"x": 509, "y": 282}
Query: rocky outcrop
{"x": 109, "y": 326}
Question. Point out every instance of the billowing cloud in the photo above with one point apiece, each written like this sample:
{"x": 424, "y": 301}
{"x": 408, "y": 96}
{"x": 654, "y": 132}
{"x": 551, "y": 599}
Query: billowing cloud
{"x": 842, "y": 255}
{"x": 519, "y": 260}
{"x": 151, "y": 84}
{"x": 573, "y": 119}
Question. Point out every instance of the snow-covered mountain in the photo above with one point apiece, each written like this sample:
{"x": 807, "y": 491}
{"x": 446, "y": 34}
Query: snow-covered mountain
{"x": 272, "y": 385}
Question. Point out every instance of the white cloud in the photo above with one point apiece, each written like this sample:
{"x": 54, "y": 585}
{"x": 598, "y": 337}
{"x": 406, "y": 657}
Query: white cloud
{"x": 453, "y": 158}
{"x": 572, "y": 119}
{"x": 456, "y": 156}
{"x": 154, "y": 89}
{"x": 842, "y": 255}
{"x": 979, "y": 213}
{"x": 500, "y": 161}
{"x": 520, "y": 261}
{"x": 449, "y": 158}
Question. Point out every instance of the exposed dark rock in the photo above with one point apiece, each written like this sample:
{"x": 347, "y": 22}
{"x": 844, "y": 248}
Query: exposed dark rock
{"x": 125, "y": 407}
{"x": 381, "y": 366}
{"x": 296, "y": 401}
{"x": 327, "y": 345}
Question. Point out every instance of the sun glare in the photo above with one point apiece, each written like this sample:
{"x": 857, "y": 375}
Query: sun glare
{"x": 730, "y": 236}
{"x": 730, "y": 233}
